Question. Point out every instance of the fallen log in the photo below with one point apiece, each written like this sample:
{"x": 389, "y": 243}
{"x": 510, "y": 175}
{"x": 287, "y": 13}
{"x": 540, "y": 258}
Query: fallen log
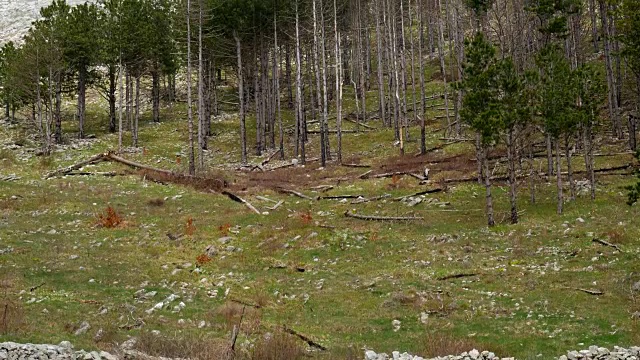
{"x": 590, "y": 292}
{"x": 364, "y": 200}
{"x": 424, "y": 192}
{"x": 606, "y": 243}
{"x": 266, "y": 161}
{"x": 359, "y": 123}
{"x": 293, "y": 192}
{"x": 457, "y": 276}
{"x": 339, "y": 197}
{"x": 365, "y": 175}
{"x": 381, "y": 218}
{"x": 304, "y": 338}
{"x": 87, "y": 173}
{"x": 92, "y": 160}
{"x": 236, "y": 198}
{"x": 356, "y": 165}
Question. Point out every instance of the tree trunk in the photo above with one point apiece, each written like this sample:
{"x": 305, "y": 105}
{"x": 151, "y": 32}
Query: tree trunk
{"x": 137, "y": 115}
{"x": 594, "y": 25}
{"x": 300, "y": 110}
{"x": 512, "y": 175}
{"x": 423, "y": 131}
{"x": 129, "y": 96}
{"x": 567, "y": 152}
{"x": 155, "y": 94}
{"x": 487, "y": 185}
{"x": 339, "y": 81}
{"x": 559, "y": 176}
{"x": 82, "y": 78}
{"x": 243, "y": 129}
{"x": 317, "y": 50}
{"x": 549, "y": 155}
{"x": 58, "y": 111}
{"x": 121, "y": 70}
{"x": 112, "y": 98}
{"x": 443, "y": 69}
{"x": 276, "y": 76}
{"x": 381, "y": 96}
{"x": 611, "y": 82}
{"x": 201, "y": 122}
{"x": 532, "y": 174}
{"x": 192, "y": 160}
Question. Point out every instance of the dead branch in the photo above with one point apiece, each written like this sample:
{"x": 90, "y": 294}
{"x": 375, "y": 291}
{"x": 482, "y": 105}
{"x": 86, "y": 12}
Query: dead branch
{"x": 270, "y": 157}
{"x": 399, "y": 173}
{"x": 293, "y": 192}
{"x": 245, "y": 303}
{"x": 364, "y": 200}
{"x": 34, "y": 288}
{"x": 381, "y": 218}
{"x": 590, "y": 292}
{"x": 64, "y": 171}
{"x": 276, "y": 206}
{"x": 606, "y": 243}
{"x": 236, "y": 198}
{"x": 365, "y": 175}
{"x": 282, "y": 166}
{"x": 424, "y": 192}
{"x": 457, "y": 276}
{"x": 359, "y": 123}
{"x": 339, "y": 197}
{"x": 322, "y": 188}
{"x": 356, "y": 165}
{"x": 86, "y": 173}
{"x": 304, "y": 338}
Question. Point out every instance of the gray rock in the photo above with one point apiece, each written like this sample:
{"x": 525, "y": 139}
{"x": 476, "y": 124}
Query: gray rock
{"x": 225, "y": 240}
{"x": 84, "y": 327}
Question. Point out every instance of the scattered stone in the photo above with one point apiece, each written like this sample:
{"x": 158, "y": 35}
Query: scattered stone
{"x": 396, "y": 324}
{"x": 84, "y": 327}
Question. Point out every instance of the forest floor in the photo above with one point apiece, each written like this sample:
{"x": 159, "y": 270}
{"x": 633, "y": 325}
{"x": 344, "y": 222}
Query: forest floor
{"x": 446, "y": 283}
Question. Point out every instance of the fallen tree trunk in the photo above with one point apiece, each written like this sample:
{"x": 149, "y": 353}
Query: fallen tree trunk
{"x": 381, "y": 218}
{"x": 237, "y": 198}
{"x": 64, "y": 171}
{"x": 304, "y": 338}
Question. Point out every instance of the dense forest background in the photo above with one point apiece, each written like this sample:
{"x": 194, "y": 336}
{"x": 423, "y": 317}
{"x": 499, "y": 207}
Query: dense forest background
{"x": 520, "y": 74}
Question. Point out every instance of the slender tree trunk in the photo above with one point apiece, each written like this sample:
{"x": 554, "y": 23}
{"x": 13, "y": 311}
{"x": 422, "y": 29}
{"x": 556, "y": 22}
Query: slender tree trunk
{"x": 532, "y": 174}
{"x": 112, "y": 98}
{"x": 423, "y": 131}
{"x": 201, "y": 121}
{"x": 58, "y": 113}
{"x": 82, "y": 78}
{"x": 479, "y": 154}
{"x": 413, "y": 65}
{"x": 567, "y": 152}
{"x": 136, "y": 119}
{"x": 559, "y": 176}
{"x": 594, "y": 25}
{"x": 611, "y": 82}
{"x": 487, "y": 185}
{"x": 192, "y": 160}
{"x": 512, "y": 175}
{"x": 549, "y": 155}
{"x": 288, "y": 75}
{"x": 381, "y": 94}
{"x": 300, "y": 110}
{"x": 243, "y": 131}
{"x": 276, "y": 76}
{"x": 443, "y": 69}
{"x": 120, "y": 72}
{"x": 317, "y": 50}
{"x": 155, "y": 94}
{"x": 339, "y": 81}
{"x": 129, "y": 96}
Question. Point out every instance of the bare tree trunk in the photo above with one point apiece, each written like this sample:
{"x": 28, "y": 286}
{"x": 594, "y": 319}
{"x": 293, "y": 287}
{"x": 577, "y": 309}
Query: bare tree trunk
{"x": 549, "y": 155}
{"x": 594, "y": 25}
{"x": 58, "y": 114}
{"x": 512, "y": 175}
{"x": 611, "y": 82}
{"x": 381, "y": 94}
{"x": 112, "y": 98}
{"x": 403, "y": 71}
{"x": 137, "y": 114}
{"x": 82, "y": 78}
{"x": 300, "y": 111}
{"x": 443, "y": 69}
{"x": 532, "y": 174}
{"x": 192, "y": 160}
{"x": 559, "y": 176}
{"x": 120, "y": 105}
{"x": 129, "y": 96}
{"x": 201, "y": 132}
{"x": 276, "y": 76}
{"x": 339, "y": 81}
{"x": 423, "y": 132}
{"x": 413, "y": 65}
{"x": 155, "y": 93}
{"x": 567, "y": 152}
{"x": 487, "y": 185}
{"x": 243, "y": 129}
{"x": 317, "y": 50}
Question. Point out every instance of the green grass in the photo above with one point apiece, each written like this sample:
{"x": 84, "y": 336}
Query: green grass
{"x": 358, "y": 275}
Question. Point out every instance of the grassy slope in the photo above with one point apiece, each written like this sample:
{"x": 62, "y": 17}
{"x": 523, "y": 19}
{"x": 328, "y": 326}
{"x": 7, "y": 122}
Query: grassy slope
{"x": 359, "y": 275}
